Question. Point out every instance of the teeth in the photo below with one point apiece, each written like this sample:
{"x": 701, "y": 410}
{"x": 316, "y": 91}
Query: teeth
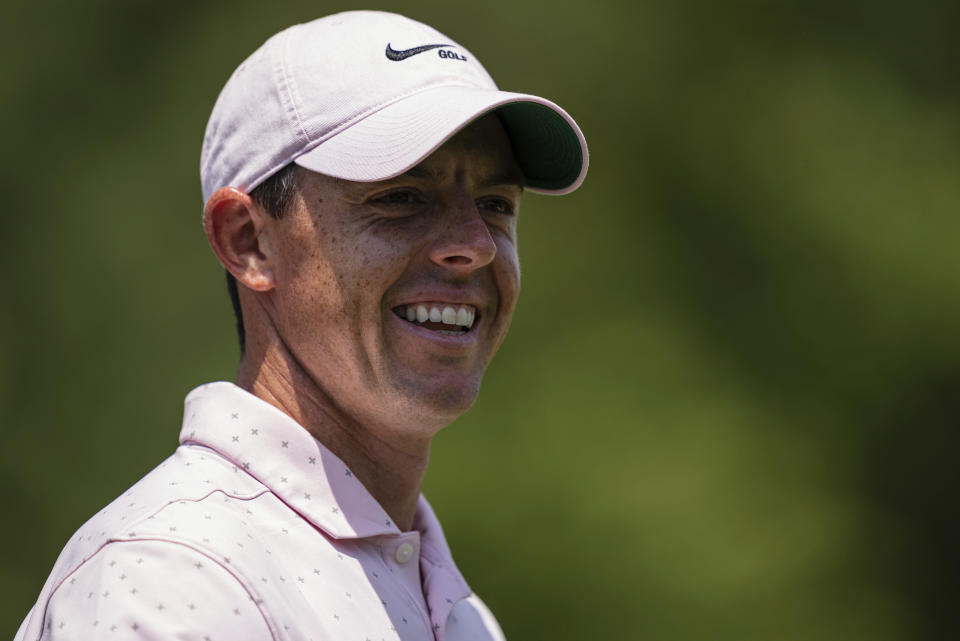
{"x": 459, "y": 316}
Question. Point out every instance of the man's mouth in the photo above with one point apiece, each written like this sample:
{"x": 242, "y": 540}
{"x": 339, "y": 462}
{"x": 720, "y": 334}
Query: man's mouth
{"x": 443, "y": 318}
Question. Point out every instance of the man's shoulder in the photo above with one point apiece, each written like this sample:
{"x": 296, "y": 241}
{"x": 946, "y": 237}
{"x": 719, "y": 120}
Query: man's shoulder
{"x": 146, "y": 589}
{"x": 194, "y": 479}
{"x": 192, "y": 475}
{"x": 175, "y": 512}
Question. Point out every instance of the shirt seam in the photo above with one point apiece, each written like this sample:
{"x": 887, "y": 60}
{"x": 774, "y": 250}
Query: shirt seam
{"x": 274, "y": 631}
{"x": 154, "y": 514}
{"x": 229, "y": 569}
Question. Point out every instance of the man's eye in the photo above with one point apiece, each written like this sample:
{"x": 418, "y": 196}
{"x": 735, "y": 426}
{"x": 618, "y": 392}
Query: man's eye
{"x": 497, "y": 205}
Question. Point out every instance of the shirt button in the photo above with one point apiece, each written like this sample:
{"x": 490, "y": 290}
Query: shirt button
{"x": 404, "y": 552}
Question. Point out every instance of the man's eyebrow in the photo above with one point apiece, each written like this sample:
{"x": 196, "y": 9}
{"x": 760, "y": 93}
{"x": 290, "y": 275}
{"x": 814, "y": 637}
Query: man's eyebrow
{"x": 419, "y": 171}
{"x": 511, "y": 176}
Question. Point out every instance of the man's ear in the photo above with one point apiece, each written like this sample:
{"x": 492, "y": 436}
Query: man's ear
{"x": 234, "y": 223}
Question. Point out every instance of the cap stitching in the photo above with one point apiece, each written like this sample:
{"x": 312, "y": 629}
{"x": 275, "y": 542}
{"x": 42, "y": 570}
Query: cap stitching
{"x": 377, "y": 107}
{"x": 288, "y": 86}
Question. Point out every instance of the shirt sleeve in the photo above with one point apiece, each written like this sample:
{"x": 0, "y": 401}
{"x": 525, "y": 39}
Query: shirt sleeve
{"x": 472, "y": 620}
{"x": 153, "y": 590}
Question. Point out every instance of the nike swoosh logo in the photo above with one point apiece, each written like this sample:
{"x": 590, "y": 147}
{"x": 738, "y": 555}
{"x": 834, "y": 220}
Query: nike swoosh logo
{"x": 393, "y": 54}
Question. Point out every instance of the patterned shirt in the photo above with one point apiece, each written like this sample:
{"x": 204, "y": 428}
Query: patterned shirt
{"x": 253, "y": 530}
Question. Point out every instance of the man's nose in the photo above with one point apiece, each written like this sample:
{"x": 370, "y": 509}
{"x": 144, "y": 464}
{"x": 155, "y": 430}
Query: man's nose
{"x": 464, "y": 243}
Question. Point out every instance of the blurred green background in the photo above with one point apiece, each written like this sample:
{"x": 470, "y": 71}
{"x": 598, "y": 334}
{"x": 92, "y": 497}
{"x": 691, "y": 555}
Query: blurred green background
{"x": 728, "y": 405}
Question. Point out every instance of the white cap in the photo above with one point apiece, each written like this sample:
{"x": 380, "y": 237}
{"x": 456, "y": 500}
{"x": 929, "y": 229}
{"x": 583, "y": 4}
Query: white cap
{"x": 365, "y": 96}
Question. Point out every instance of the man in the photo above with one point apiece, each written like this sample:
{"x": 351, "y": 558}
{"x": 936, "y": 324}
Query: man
{"x": 362, "y": 177}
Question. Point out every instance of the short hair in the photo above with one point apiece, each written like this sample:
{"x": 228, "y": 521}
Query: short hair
{"x": 274, "y": 195}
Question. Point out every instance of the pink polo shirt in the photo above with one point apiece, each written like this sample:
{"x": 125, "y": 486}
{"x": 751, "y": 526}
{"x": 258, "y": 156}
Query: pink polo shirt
{"x": 253, "y": 530}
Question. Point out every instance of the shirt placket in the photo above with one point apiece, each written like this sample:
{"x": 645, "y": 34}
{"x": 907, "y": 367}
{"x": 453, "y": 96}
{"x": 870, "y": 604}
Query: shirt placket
{"x": 401, "y": 555}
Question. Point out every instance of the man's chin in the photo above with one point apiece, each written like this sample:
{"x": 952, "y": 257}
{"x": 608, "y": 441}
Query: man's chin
{"x": 441, "y": 403}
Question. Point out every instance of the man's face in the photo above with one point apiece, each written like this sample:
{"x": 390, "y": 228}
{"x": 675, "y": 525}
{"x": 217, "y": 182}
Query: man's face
{"x": 358, "y": 266}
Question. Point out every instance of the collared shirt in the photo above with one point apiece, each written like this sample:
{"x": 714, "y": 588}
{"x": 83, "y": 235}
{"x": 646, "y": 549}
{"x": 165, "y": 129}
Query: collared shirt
{"x": 253, "y": 530}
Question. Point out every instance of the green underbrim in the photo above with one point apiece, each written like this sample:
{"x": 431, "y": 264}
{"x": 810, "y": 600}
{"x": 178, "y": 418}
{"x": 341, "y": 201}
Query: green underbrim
{"x": 545, "y": 145}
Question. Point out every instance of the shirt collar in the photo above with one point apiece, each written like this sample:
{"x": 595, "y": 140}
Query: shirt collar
{"x": 283, "y": 456}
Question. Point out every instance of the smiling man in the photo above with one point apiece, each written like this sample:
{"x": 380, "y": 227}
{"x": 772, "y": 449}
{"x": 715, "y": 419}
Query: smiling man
{"x": 362, "y": 177}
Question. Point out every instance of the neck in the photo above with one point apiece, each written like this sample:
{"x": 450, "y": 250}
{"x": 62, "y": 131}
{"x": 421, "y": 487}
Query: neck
{"x": 391, "y": 469}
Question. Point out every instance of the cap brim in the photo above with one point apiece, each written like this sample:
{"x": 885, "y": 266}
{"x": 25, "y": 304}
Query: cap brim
{"x": 547, "y": 143}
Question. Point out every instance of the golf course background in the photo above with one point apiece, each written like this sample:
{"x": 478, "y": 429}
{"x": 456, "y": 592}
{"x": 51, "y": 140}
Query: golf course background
{"x": 728, "y": 405}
